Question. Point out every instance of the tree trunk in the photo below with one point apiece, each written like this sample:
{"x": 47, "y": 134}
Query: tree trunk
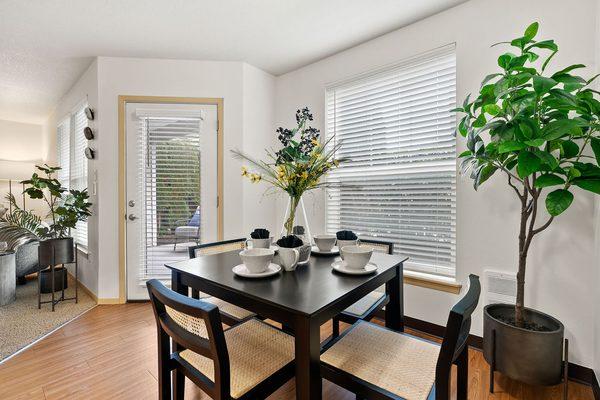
{"x": 520, "y": 303}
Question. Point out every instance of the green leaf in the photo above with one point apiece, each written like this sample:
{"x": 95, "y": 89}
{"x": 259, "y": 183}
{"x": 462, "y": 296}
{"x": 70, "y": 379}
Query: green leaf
{"x": 592, "y": 185}
{"x": 492, "y": 109}
{"x": 484, "y": 174}
{"x": 504, "y": 60}
{"x": 547, "y": 158}
{"x": 568, "y": 69}
{"x": 548, "y": 180}
{"x": 559, "y": 128}
{"x": 528, "y": 164}
{"x": 542, "y": 85}
{"x": 510, "y": 145}
{"x": 570, "y": 149}
{"x": 465, "y": 153}
{"x": 531, "y": 30}
{"x": 535, "y": 142}
{"x": 596, "y": 148}
{"x": 558, "y": 201}
{"x": 543, "y": 44}
{"x": 489, "y": 78}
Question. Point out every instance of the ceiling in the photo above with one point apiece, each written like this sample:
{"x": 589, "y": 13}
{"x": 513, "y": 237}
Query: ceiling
{"x": 45, "y": 45}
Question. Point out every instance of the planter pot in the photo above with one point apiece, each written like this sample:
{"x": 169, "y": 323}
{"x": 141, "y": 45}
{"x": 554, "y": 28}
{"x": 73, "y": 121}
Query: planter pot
{"x": 533, "y": 357}
{"x": 56, "y": 251}
{"x": 60, "y": 280}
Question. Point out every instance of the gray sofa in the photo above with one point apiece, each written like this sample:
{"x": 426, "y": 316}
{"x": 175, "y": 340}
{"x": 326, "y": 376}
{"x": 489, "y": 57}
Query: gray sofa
{"x": 25, "y": 245}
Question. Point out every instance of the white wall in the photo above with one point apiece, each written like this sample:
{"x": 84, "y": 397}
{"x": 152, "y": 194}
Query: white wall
{"x": 259, "y": 133}
{"x": 86, "y": 88}
{"x": 561, "y": 273}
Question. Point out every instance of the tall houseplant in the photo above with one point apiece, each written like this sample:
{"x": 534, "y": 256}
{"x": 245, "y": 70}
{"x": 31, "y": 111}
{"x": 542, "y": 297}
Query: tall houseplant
{"x": 298, "y": 166}
{"x": 66, "y": 208}
{"x": 535, "y": 128}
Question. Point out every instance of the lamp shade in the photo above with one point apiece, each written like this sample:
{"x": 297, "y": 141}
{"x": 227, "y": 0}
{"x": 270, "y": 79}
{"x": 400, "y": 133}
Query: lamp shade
{"x": 16, "y": 170}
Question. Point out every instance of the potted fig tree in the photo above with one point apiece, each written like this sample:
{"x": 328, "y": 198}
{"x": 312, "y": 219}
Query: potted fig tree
{"x": 67, "y": 207}
{"x": 539, "y": 130}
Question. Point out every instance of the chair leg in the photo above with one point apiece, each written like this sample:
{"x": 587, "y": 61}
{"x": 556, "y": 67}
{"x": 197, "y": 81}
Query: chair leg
{"x": 178, "y": 385}
{"x": 462, "y": 375}
{"x": 164, "y": 373}
{"x": 442, "y": 383}
{"x": 175, "y": 244}
{"x": 195, "y": 294}
{"x": 336, "y": 327}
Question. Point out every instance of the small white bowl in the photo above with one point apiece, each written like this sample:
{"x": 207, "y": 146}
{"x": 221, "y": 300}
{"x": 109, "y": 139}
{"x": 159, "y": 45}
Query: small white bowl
{"x": 357, "y": 257}
{"x": 325, "y": 242}
{"x": 257, "y": 260}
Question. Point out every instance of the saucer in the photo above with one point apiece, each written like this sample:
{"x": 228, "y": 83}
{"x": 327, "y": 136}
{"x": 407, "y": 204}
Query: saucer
{"x": 342, "y": 267}
{"x": 333, "y": 252}
{"x": 242, "y": 270}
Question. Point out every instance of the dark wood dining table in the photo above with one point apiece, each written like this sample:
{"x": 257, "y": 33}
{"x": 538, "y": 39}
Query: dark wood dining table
{"x": 301, "y": 300}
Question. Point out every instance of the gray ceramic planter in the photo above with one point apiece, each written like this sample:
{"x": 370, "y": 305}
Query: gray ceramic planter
{"x": 56, "y": 251}
{"x": 527, "y": 356}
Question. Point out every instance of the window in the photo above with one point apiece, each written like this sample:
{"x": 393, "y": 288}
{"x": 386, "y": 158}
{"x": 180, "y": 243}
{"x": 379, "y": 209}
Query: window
{"x": 396, "y": 128}
{"x": 71, "y": 144}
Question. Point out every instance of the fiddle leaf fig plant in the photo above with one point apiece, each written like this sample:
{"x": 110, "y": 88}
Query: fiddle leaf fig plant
{"x": 67, "y": 207}
{"x": 535, "y": 128}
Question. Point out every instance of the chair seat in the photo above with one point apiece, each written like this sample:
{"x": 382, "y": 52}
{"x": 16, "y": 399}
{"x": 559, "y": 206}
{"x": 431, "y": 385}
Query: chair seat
{"x": 398, "y": 363}
{"x": 363, "y": 305}
{"x": 186, "y": 231}
{"x": 256, "y": 351}
{"x": 236, "y": 312}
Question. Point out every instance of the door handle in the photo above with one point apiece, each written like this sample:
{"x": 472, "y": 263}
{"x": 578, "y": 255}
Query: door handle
{"x": 132, "y": 217}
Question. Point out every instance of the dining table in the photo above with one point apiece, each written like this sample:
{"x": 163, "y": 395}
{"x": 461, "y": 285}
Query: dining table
{"x": 301, "y": 300}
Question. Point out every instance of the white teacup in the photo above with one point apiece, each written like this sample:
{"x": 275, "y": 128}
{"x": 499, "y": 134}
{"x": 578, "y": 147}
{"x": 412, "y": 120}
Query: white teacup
{"x": 343, "y": 243}
{"x": 257, "y": 260}
{"x": 325, "y": 242}
{"x": 357, "y": 257}
{"x": 288, "y": 258}
{"x": 260, "y": 243}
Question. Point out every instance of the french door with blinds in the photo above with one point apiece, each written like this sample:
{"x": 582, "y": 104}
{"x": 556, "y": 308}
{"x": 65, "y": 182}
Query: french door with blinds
{"x": 397, "y": 130}
{"x": 171, "y": 187}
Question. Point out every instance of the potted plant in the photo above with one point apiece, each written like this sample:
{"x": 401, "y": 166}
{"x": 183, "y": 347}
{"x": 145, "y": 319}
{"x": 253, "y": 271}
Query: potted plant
{"x": 66, "y": 209}
{"x": 535, "y": 128}
{"x": 297, "y": 167}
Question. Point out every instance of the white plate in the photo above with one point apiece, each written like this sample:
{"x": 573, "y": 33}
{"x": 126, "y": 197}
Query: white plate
{"x": 242, "y": 270}
{"x": 342, "y": 267}
{"x": 333, "y": 252}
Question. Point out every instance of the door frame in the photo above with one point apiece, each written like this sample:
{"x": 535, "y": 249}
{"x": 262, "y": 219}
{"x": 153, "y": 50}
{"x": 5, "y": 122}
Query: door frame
{"x": 122, "y": 102}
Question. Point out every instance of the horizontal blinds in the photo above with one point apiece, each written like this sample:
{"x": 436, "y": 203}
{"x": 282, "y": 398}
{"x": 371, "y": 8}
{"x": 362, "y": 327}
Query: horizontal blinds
{"x": 63, "y": 146}
{"x": 396, "y": 129}
{"x": 169, "y": 175}
{"x": 79, "y": 167}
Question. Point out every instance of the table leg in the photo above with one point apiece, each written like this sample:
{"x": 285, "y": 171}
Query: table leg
{"x": 178, "y": 377}
{"x": 308, "y": 358}
{"x": 394, "y": 310}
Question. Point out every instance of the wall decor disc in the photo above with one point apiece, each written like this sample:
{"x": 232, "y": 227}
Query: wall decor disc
{"x": 90, "y": 153}
{"x": 88, "y": 133}
{"x": 89, "y": 113}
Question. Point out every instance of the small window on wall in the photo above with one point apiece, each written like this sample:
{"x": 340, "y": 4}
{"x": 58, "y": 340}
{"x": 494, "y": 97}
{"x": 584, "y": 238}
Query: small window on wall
{"x": 71, "y": 145}
{"x": 397, "y": 129}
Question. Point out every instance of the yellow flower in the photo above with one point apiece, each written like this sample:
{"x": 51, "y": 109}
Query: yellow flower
{"x": 336, "y": 162}
{"x": 255, "y": 178}
{"x": 304, "y": 175}
{"x": 244, "y": 171}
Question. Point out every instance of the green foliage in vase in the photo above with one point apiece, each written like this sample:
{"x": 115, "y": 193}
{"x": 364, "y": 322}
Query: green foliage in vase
{"x": 21, "y": 218}
{"x": 535, "y": 128}
{"x": 67, "y": 207}
{"x": 298, "y": 165}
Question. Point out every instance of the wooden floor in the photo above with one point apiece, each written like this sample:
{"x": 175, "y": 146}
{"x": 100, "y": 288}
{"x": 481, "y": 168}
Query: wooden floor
{"x": 110, "y": 353}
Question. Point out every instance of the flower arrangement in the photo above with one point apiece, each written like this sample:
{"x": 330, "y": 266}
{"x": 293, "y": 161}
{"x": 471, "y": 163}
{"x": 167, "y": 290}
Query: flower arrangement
{"x": 298, "y": 166}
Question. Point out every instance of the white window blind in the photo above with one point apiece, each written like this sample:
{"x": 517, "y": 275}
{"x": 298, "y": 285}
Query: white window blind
{"x": 71, "y": 144}
{"x": 169, "y": 175}
{"x": 63, "y": 139}
{"x": 79, "y": 167}
{"x": 399, "y": 184}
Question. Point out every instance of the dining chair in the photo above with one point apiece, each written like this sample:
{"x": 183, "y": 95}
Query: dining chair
{"x": 231, "y": 314}
{"x": 377, "y": 363}
{"x": 367, "y": 307}
{"x": 248, "y": 361}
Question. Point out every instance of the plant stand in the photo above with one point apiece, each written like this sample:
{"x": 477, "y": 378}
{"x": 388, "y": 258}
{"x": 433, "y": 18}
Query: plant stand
{"x": 285, "y": 215}
{"x": 54, "y": 301}
{"x": 565, "y": 366}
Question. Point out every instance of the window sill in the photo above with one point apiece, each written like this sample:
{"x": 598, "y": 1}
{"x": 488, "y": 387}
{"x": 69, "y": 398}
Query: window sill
{"x": 83, "y": 251}
{"x": 428, "y": 281}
